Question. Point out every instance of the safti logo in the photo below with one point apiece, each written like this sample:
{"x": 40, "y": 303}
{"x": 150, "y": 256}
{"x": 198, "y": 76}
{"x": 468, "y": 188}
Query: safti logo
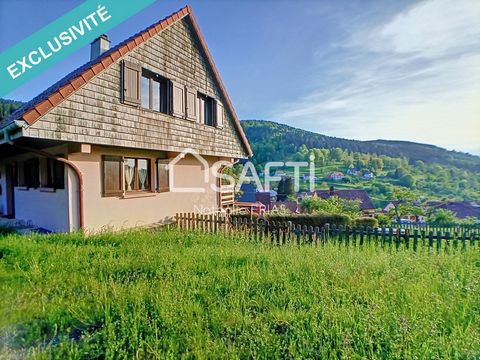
{"x": 248, "y": 174}
{"x": 207, "y": 172}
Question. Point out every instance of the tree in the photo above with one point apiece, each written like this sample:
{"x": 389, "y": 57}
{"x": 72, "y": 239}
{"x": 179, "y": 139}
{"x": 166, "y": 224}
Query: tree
{"x": 402, "y": 197}
{"x": 442, "y": 217}
{"x": 285, "y": 188}
{"x": 336, "y": 154}
{"x": 376, "y": 164}
{"x": 407, "y": 181}
{"x": 332, "y": 205}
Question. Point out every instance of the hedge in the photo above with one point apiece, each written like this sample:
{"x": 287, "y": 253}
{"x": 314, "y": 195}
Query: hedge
{"x": 366, "y": 221}
{"x": 312, "y": 219}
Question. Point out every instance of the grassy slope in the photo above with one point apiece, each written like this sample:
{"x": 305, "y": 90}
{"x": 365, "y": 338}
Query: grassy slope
{"x": 171, "y": 293}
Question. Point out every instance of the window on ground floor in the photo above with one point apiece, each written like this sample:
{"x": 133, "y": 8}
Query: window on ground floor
{"x": 130, "y": 175}
{"x": 54, "y": 174}
{"x": 29, "y": 174}
{"x": 137, "y": 175}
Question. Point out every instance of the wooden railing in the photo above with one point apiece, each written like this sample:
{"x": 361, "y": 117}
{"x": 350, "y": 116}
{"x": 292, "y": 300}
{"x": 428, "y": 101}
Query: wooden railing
{"x": 280, "y": 233}
{"x": 227, "y": 195}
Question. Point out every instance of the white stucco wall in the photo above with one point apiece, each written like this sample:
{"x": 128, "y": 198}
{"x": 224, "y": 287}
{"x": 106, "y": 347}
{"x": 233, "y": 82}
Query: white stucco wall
{"x": 43, "y": 208}
{"x": 48, "y": 210}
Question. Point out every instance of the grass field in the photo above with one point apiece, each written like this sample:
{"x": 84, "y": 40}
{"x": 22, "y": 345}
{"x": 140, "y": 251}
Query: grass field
{"x": 173, "y": 294}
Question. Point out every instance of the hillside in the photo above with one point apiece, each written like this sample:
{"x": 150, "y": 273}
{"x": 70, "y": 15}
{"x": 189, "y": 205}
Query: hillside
{"x": 379, "y": 166}
{"x": 280, "y": 139}
{"x": 7, "y": 107}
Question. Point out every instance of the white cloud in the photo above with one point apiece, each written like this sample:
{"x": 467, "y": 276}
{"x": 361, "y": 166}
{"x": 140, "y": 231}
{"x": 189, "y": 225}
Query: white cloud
{"x": 414, "y": 77}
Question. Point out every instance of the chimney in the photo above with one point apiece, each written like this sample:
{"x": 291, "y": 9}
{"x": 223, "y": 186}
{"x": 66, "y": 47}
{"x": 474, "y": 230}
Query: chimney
{"x": 332, "y": 190}
{"x": 99, "y": 46}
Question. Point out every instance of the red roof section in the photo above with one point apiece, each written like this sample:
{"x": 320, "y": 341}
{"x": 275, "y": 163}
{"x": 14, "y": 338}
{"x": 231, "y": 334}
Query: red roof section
{"x": 60, "y": 91}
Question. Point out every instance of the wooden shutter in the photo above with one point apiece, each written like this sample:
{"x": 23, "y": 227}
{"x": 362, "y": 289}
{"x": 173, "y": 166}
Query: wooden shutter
{"x": 178, "y": 92}
{"x": 112, "y": 176}
{"x": 163, "y": 179}
{"x": 220, "y": 114}
{"x": 192, "y": 106}
{"x": 131, "y": 75}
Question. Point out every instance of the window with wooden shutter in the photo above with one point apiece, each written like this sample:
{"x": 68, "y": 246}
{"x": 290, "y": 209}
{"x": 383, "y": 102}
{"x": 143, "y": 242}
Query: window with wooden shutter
{"x": 207, "y": 110}
{"x": 191, "y": 102}
{"x": 163, "y": 179}
{"x": 220, "y": 114}
{"x": 178, "y": 92}
{"x": 112, "y": 176}
{"x": 131, "y": 75}
{"x": 154, "y": 92}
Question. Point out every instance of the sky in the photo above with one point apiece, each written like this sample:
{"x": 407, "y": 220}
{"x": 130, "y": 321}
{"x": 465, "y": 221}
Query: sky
{"x": 385, "y": 69}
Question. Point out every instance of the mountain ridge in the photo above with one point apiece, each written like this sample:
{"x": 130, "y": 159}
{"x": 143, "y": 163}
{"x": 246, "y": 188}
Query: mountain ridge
{"x": 285, "y": 136}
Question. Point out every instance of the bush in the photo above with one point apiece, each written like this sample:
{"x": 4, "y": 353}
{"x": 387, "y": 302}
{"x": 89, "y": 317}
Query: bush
{"x": 366, "y": 221}
{"x": 5, "y": 230}
{"x": 311, "y": 219}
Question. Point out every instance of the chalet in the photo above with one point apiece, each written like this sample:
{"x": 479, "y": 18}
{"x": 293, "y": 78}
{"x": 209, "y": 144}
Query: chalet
{"x": 309, "y": 177}
{"x": 250, "y": 194}
{"x": 368, "y": 175}
{"x": 291, "y": 206}
{"x": 336, "y": 175}
{"x": 352, "y": 172}
{"x": 366, "y": 204}
{"x": 92, "y": 151}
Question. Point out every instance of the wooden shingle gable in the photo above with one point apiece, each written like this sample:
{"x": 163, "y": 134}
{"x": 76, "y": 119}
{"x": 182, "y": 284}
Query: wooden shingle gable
{"x": 68, "y": 86}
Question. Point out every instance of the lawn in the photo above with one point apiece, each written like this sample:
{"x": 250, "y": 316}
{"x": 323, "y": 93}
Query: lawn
{"x": 170, "y": 294}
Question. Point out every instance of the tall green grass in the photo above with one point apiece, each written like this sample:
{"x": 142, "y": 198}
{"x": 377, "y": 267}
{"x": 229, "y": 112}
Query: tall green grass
{"x": 173, "y": 294}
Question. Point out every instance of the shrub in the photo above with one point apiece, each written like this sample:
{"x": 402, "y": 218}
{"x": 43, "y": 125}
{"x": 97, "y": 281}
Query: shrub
{"x": 5, "y": 230}
{"x": 320, "y": 219}
{"x": 366, "y": 221}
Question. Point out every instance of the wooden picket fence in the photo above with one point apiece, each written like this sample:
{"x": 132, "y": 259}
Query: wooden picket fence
{"x": 281, "y": 233}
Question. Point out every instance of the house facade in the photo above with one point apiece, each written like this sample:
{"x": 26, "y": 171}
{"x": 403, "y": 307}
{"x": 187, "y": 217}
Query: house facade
{"x": 129, "y": 139}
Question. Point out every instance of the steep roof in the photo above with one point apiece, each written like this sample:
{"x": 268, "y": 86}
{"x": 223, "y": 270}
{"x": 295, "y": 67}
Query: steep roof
{"x": 348, "y": 194}
{"x": 33, "y": 110}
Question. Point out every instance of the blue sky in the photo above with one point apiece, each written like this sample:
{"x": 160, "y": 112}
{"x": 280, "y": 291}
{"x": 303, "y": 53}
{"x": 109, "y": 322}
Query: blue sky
{"x": 406, "y": 70}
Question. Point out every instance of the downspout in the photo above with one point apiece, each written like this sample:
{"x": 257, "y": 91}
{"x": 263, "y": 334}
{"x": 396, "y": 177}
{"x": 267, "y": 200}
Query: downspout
{"x": 70, "y": 164}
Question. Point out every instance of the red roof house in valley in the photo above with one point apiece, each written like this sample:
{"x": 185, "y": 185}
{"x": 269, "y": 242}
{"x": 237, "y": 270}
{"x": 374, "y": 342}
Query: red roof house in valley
{"x": 92, "y": 150}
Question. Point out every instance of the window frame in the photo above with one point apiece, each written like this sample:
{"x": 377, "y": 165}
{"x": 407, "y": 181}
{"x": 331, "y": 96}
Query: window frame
{"x": 54, "y": 170}
{"x": 164, "y": 87}
{"x": 27, "y": 170}
{"x": 136, "y": 189}
{"x": 203, "y": 100}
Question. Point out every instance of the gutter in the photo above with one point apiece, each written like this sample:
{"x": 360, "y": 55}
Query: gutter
{"x": 17, "y": 124}
{"x": 7, "y": 140}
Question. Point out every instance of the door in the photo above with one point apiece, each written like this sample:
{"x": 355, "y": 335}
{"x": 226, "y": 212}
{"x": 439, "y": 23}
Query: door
{"x": 10, "y": 178}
